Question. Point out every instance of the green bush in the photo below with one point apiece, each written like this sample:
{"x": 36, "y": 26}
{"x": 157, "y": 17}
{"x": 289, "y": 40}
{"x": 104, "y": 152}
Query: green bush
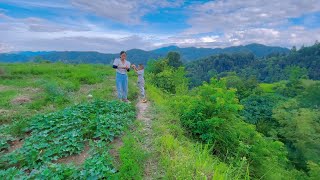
{"x": 169, "y": 79}
{"x": 210, "y": 113}
{"x": 299, "y": 128}
{"x": 311, "y": 96}
{"x": 258, "y": 111}
{"x": 54, "y": 94}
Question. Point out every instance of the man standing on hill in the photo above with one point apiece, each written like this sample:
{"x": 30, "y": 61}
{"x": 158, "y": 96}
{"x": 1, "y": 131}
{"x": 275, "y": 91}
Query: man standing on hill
{"x": 122, "y": 66}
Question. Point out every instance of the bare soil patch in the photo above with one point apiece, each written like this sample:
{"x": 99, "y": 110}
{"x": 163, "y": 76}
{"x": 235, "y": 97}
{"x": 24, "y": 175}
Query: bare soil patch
{"x": 15, "y": 145}
{"x": 4, "y": 88}
{"x": 31, "y": 90}
{"x": 115, "y": 145}
{"x": 20, "y": 100}
{"x": 4, "y": 111}
{"x": 2, "y": 72}
{"x": 76, "y": 159}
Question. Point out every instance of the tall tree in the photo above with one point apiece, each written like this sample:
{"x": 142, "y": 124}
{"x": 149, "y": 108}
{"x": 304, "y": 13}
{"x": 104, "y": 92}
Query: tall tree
{"x": 174, "y": 59}
{"x": 300, "y": 129}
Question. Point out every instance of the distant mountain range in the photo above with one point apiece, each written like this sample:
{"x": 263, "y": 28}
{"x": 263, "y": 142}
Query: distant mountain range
{"x": 137, "y": 55}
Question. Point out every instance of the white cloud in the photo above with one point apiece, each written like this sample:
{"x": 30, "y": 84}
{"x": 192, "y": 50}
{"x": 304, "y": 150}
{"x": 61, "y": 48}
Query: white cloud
{"x": 209, "y": 39}
{"x": 222, "y": 15}
{"x": 35, "y": 34}
{"x": 251, "y": 21}
{"x": 73, "y": 41}
{"x": 81, "y": 43}
{"x": 296, "y": 35}
{"x": 5, "y": 47}
{"x": 123, "y": 11}
{"x": 31, "y": 24}
{"x": 213, "y": 24}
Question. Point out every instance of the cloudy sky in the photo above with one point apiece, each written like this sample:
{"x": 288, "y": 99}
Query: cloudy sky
{"x": 113, "y": 25}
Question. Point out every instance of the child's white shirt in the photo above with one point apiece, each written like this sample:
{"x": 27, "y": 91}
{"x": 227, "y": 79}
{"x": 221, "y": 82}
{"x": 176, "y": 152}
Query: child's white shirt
{"x": 140, "y": 75}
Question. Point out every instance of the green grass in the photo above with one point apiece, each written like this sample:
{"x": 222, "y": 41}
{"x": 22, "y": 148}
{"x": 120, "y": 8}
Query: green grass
{"x": 18, "y": 81}
{"x": 268, "y": 87}
{"x": 6, "y": 97}
{"x": 55, "y": 86}
{"x": 132, "y": 157}
{"x": 309, "y": 82}
{"x": 63, "y": 74}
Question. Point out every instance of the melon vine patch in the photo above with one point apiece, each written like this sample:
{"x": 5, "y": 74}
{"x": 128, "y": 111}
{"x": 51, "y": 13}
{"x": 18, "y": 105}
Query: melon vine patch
{"x": 64, "y": 133}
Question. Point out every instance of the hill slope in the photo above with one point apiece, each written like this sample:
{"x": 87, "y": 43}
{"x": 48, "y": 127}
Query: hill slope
{"x": 138, "y": 56}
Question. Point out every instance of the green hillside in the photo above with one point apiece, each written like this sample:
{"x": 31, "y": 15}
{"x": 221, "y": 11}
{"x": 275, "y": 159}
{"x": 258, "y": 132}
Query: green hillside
{"x": 228, "y": 128}
{"x": 261, "y": 130}
{"x": 270, "y": 69}
{"x": 139, "y": 56}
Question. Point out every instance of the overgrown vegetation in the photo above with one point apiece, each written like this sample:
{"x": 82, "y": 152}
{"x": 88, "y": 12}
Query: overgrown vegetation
{"x": 180, "y": 157}
{"x": 254, "y": 129}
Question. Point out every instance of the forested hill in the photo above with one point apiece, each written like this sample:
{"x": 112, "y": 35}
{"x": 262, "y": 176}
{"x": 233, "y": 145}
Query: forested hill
{"x": 139, "y": 56}
{"x": 269, "y": 69}
{"x": 192, "y": 53}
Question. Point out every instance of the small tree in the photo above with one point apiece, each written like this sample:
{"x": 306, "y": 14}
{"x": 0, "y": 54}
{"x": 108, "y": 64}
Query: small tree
{"x": 174, "y": 59}
{"x": 39, "y": 59}
{"x": 294, "y": 85}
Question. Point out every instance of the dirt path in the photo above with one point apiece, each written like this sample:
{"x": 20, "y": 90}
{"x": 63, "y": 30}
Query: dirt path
{"x": 150, "y": 169}
{"x": 143, "y": 115}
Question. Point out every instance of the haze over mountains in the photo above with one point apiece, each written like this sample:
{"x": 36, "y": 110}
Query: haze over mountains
{"x": 138, "y": 55}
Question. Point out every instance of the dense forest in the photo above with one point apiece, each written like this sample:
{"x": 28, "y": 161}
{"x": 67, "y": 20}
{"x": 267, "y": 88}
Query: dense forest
{"x": 272, "y": 68}
{"x": 264, "y": 130}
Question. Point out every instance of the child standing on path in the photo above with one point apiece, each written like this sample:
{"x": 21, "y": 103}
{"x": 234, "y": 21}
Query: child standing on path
{"x": 140, "y": 72}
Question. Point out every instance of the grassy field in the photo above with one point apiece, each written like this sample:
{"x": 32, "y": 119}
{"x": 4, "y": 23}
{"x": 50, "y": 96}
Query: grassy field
{"x": 27, "y": 89}
{"x": 270, "y": 87}
{"x": 46, "y": 116}
{"x": 308, "y": 82}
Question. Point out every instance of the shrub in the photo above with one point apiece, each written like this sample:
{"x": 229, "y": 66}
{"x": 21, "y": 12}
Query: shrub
{"x": 211, "y": 114}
